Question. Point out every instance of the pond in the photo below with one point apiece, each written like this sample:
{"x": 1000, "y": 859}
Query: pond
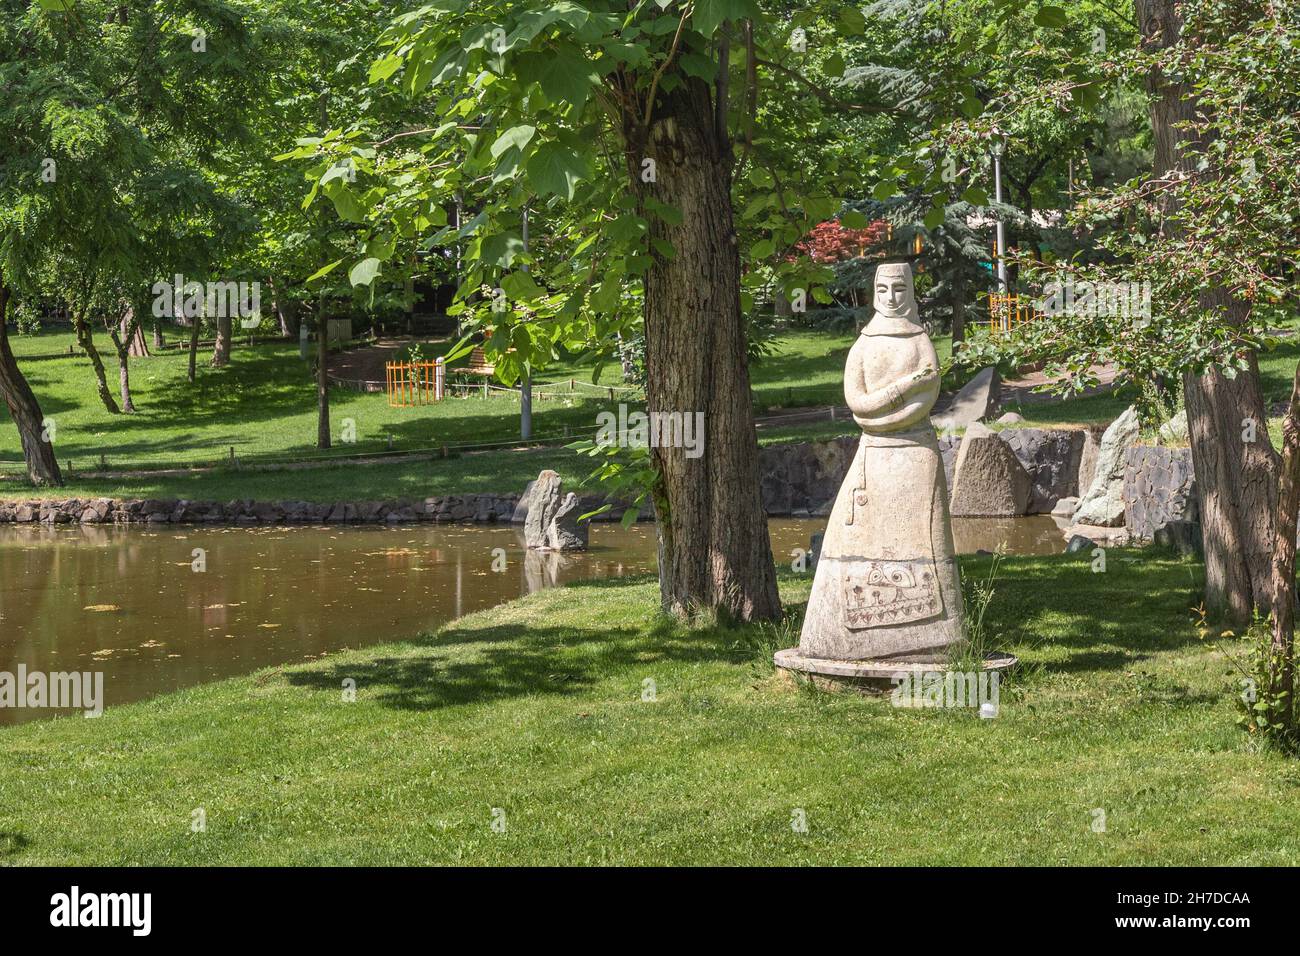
{"x": 133, "y": 604}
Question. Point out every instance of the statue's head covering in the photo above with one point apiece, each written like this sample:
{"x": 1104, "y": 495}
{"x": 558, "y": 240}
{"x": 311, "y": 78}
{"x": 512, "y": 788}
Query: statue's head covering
{"x": 894, "y": 300}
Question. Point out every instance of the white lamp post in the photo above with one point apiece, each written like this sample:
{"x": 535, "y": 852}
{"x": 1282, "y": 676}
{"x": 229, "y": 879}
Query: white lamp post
{"x": 998, "y": 146}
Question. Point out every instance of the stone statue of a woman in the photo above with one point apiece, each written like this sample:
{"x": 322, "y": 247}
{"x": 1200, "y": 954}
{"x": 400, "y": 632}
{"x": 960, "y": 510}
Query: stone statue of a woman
{"x": 887, "y": 585}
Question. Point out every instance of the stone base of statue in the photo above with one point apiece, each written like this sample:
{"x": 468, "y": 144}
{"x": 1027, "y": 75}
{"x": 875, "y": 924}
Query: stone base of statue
{"x": 869, "y": 677}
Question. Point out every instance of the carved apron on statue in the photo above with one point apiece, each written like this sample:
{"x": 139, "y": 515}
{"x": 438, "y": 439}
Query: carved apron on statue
{"x": 887, "y": 582}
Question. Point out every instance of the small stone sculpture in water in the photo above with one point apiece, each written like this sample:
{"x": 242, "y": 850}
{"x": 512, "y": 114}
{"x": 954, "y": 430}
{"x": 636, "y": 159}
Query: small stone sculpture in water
{"x": 887, "y": 587}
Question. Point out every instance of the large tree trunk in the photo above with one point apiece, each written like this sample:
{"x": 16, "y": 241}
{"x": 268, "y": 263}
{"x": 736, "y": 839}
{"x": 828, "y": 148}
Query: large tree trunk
{"x": 1236, "y": 478}
{"x": 87, "y": 343}
{"x": 221, "y": 350}
{"x": 42, "y": 466}
{"x": 714, "y": 548}
{"x": 1282, "y": 658}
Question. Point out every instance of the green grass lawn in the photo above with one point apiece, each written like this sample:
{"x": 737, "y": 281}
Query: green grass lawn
{"x": 536, "y": 708}
{"x": 263, "y": 407}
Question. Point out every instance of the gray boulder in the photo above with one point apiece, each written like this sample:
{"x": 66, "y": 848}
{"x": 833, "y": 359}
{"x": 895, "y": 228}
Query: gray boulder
{"x": 1051, "y": 457}
{"x": 1103, "y": 503}
{"x": 1065, "y": 507}
{"x": 977, "y": 400}
{"x": 1183, "y": 537}
{"x": 1079, "y": 543}
{"x": 520, "y": 514}
{"x": 543, "y": 503}
{"x": 566, "y": 532}
{"x": 1174, "y": 431}
{"x": 988, "y": 479}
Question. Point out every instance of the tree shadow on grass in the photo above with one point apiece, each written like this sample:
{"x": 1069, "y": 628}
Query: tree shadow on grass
{"x": 517, "y": 660}
{"x": 13, "y": 843}
{"x": 1103, "y": 621}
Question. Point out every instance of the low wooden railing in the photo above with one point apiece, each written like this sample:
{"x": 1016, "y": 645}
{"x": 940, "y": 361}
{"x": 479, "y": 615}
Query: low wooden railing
{"x": 416, "y": 383}
{"x": 1009, "y": 312}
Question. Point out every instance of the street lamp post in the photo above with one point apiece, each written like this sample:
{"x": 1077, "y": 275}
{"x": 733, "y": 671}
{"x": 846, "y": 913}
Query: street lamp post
{"x": 998, "y": 146}
{"x": 526, "y": 383}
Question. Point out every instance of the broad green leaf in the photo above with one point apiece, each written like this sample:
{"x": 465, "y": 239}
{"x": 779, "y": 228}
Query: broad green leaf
{"x": 516, "y": 137}
{"x": 520, "y": 285}
{"x": 364, "y": 272}
{"x": 554, "y": 169}
{"x": 385, "y": 67}
{"x": 709, "y": 13}
{"x": 1050, "y": 17}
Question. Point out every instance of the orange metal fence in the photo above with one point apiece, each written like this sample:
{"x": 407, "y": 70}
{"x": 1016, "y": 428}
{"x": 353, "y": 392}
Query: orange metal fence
{"x": 415, "y": 383}
{"x": 1009, "y": 312}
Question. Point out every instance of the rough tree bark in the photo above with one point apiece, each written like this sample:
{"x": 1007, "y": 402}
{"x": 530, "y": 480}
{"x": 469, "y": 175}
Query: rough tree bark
{"x": 714, "y": 547}
{"x": 221, "y": 349}
{"x": 196, "y": 323}
{"x": 87, "y": 342}
{"x": 124, "y": 333}
{"x": 1282, "y": 657}
{"x": 42, "y": 466}
{"x": 1236, "y": 477}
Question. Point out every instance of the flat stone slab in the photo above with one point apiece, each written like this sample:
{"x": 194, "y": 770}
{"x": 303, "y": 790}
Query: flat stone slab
{"x": 870, "y": 677}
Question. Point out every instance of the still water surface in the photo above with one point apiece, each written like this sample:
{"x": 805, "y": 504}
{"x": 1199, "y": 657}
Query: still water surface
{"x": 127, "y": 602}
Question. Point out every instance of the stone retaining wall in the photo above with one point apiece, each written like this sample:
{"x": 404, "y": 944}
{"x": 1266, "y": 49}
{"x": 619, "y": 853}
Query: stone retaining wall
{"x": 799, "y": 480}
{"x": 803, "y": 479}
{"x": 469, "y": 508}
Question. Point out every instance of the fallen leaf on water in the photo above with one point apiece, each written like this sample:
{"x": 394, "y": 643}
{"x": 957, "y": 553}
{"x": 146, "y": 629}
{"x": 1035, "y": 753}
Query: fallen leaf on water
{"x": 268, "y": 625}
{"x": 101, "y": 607}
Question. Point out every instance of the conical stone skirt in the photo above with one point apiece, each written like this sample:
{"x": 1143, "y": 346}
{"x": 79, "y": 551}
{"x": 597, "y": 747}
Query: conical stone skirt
{"x": 887, "y": 583}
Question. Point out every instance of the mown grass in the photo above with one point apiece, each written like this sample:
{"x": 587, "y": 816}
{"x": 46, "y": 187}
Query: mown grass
{"x": 536, "y": 708}
{"x": 263, "y": 408}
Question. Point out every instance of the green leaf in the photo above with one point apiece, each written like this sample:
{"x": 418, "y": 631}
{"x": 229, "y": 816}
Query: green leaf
{"x": 385, "y": 67}
{"x": 710, "y": 13}
{"x": 56, "y": 6}
{"x": 852, "y": 21}
{"x": 520, "y": 285}
{"x": 1050, "y": 17}
{"x": 565, "y": 77}
{"x": 555, "y": 170}
{"x": 364, "y": 272}
{"x": 934, "y": 218}
{"x": 516, "y": 137}
{"x": 762, "y": 249}
{"x": 884, "y": 189}
{"x": 975, "y": 196}
{"x": 854, "y": 219}
{"x": 345, "y": 203}
{"x": 324, "y": 270}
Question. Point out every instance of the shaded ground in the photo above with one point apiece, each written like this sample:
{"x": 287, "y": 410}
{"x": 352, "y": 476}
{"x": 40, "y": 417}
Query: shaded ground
{"x": 600, "y": 732}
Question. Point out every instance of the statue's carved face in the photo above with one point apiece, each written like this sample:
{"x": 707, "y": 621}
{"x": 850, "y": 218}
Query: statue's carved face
{"x": 892, "y": 294}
